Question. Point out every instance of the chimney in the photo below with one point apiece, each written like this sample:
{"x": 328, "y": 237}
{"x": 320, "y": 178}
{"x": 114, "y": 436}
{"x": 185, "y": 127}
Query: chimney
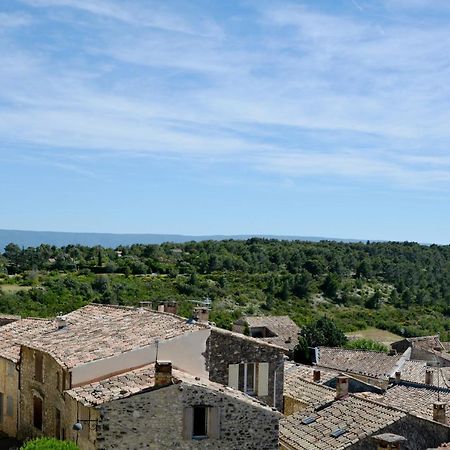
{"x": 398, "y": 377}
{"x": 429, "y": 377}
{"x": 163, "y": 373}
{"x": 171, "y": 308}
{"x": 60, "y": 322}
{"x": 202, "y": 314}
{"x": 316, "y": 376}
{"x": 388, "y": 441}
{"x": 161, "y": 308}
{"x": 341, "y": 387}
{"x": 439, "y": 412}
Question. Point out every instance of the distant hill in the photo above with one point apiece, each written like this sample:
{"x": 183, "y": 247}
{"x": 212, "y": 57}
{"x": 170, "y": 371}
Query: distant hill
{"x": 35, "y": 238}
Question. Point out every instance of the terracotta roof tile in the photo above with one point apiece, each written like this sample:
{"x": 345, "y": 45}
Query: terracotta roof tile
{"x": 358, "y": 417}
{"x": 372, "y": 364}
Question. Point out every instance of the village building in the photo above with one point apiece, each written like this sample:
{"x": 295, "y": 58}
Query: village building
{"x": 424, "y": 348}
{"x": 96, "y": 343}
{"x": 277, "y": 330}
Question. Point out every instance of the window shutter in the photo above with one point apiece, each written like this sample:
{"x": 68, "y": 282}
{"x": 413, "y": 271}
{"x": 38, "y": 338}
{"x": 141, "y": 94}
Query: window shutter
{"x": 263, "y": 379}
{"x": 188, "y": 422}
{"x": 214, "y": 423}
{"x": 233, "y": 376}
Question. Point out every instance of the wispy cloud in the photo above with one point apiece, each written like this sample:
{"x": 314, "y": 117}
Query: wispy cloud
{"x": 296, "y": 90}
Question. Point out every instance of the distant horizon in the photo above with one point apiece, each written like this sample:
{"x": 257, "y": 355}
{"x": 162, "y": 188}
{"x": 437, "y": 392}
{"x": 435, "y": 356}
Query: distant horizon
{"x": 282, "y": 118}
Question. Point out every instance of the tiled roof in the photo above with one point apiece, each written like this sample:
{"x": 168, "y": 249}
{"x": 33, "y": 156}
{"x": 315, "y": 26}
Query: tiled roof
{"x": 284, "y": 327}
{"x": 14, "y": 333}
{"x": 139, "y": 380}
{"x": 97, "y": 331}
{"x": 426, "y": 342}
{"x": 415, "y": 400}
{"x": 293, "y": 371}
{"x": 307, "y": 392}
{"x": 372, "y": 364}
{"x": 414, "y": 372}
{"x": 358, "y": 417}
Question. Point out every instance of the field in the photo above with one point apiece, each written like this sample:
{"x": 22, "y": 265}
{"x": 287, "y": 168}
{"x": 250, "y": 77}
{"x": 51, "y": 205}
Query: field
{"x": 375, "y": 334}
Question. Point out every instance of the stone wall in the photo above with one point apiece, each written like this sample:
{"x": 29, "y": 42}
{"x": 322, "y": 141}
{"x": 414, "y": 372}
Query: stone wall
{"x": 47, "y": 390}
{"x": 9, "y": 387}
{"x": 155, "y": 420}
{"x": 225, "y": 348}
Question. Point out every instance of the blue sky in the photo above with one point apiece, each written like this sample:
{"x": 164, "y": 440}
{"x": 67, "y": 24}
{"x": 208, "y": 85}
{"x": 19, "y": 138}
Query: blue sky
{"x": 309, "y": 118}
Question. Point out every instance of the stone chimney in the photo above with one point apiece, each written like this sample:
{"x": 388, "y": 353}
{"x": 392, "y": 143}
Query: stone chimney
{"x": 341, "y": 387}
{"x": 316, "y": 376}
{"x": 389, "y": 441}
{"x": 161, "y": 308}
{"x": 439, "y": 412}
{"x": 61, "y": 322}
{"x": 429, "y": 377}
{"x": 171, "y": 308}
{"x": 163, "y": 373}
{"x": 398, "y": 377}
{"x": 202, "y": 314}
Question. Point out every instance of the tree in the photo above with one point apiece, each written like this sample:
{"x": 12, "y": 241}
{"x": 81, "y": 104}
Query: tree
{"x": 49, "y": 444}
{"x": 322, "y": 332}
{"x": 330, "y": 286}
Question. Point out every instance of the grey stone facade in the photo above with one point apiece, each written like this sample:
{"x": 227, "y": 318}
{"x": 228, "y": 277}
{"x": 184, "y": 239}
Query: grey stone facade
{"x": 156, "y": 420}
{"x": 224, "y": 348}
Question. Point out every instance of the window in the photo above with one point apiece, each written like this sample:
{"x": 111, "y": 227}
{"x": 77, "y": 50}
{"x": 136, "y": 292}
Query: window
{"x": 251, "y": 378}
{"x": 200, "y": 425}
{"x": 58, "y": 381}
{"x": 57, "y": 423}
{"x": 38, "y": 367}
{"x": 9, "y": 406}
{"x": 201, "y": 422}
{"x": 37, "y": 412}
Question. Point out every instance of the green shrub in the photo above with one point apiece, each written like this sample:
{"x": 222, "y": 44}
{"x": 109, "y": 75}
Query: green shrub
{"x": 366, "y": 344}
{"x": 49, "y": 444}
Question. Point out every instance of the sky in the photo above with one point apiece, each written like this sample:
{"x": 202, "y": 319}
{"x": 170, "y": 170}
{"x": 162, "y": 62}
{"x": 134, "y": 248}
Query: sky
{"x": 306, "y": 118}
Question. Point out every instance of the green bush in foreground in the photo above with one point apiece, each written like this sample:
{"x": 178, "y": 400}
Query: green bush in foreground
{"x": 49, "y": 444}
{"x": 366, "y": 344}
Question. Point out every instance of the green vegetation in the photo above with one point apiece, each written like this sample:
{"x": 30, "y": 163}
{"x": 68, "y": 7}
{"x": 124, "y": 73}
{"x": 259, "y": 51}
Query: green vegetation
{"x": 366, "y": 344}
{"x": 403, "y": 288}
{"x": 322, "y": 332}
{"x": 49, "y": 444}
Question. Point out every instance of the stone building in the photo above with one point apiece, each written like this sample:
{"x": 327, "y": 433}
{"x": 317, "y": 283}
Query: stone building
{"x": 278, "y": 330}
{"x": 96, "y": 343}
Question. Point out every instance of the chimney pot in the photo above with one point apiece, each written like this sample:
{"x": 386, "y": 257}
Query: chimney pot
{"x": 160, "y": 308}
{"x": 202, "y": 314}
{"x": 429, "y": 377}
{"x": 439, "y": 412}
{"x": 171, "y": 308}
{"x": 60, "y": 322}
{"x": 341, "y": 387}
{"x": 163, "y": 373}
{"x": 398, "y": 376}
{"x": 316, "y": 375}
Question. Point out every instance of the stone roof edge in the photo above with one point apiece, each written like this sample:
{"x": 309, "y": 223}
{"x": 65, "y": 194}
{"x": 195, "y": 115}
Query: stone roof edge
{"x": 417, "y": 385}
{"x": 247, "y": 338}
{"x": 358, "y": 350}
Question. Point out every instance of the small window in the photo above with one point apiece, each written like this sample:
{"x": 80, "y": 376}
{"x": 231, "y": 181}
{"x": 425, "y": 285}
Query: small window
{"x": 11, "y": 369}
{"x": 200, "y": 427}
{"x": 38, "y": 367}
{"x": 57, "y": 423}
{"x": 37, "y": 412}
{"x": 9, "y": 406}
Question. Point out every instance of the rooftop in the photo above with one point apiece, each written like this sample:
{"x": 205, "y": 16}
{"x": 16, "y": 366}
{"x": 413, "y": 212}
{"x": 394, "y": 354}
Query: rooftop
{"x": 306, "y": 392}
{"x": 97, "y": 331}
{"x": 293, "y": 371}
{"x": 414, "y": 372}
{"x": 283, "y": 327}
{"x": 417, "y": 401}
{"x": 372, "y": 364}
{"x": 142, "y": 380}
{"x": 349, "y": 420}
